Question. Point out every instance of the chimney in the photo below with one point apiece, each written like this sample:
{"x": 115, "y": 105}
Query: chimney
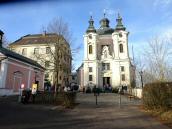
{"x": 1, "y": 35}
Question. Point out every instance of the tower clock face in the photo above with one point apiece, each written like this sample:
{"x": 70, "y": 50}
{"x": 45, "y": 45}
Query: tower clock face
{"x": 90, "y": 36}
{"x": 120, "y": 34}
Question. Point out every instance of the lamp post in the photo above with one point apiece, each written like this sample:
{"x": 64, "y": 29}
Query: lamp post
{"x": 120, "y": 90}
{"x": 1, "y": 35}
{"x": 141, "y": 77}
{"x": 35, "y": 76}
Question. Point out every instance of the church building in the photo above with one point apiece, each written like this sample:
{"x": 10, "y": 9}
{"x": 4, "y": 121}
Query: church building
{"x": 106, "y": 55}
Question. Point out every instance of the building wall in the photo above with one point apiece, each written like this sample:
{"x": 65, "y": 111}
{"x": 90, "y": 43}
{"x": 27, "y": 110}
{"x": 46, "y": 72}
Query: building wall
{"x": 63, "y": 75}
{"x": 18, "y": 73}
{"x": 114, "y": 57}
{"x": 80, "y": 77}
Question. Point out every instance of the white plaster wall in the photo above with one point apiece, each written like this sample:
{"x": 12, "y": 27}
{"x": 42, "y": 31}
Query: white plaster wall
{"x": 87, "y": 42}
{"x": 121, "y": 40}
{"x": 137, "y": 92}
{"x": 85, "y": 47}
{"x": 116, "y": 73}
{"x": 87, "y": 73}
{"x": 126, "y": 65}
{"x": 82, "y": 77}
{"x": 3, "y": 73}
{"x": 7, "y": 92}
{"x": 115, "y": 42}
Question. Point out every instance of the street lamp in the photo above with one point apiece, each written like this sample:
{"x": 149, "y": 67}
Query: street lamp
{"x": 141, "y": 77}
{"x": 1, "y": 35}
{"x": 35, "y": 76}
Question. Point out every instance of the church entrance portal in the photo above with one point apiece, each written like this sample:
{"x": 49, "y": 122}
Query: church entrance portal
{"x": 106, "y": 81}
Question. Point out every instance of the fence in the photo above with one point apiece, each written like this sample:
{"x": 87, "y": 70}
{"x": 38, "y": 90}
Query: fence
{"x": 137, "y": 92}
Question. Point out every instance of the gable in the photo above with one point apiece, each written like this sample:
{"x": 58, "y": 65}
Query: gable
{"x": 2, "y": 56}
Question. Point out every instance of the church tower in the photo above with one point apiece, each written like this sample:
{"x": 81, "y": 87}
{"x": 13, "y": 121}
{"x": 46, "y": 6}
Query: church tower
{"x": 121, "y": 54}
{"x": 90, "y": 55}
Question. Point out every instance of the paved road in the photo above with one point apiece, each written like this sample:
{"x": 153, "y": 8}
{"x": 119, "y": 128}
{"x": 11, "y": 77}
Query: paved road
{"x": 106, "y": 115}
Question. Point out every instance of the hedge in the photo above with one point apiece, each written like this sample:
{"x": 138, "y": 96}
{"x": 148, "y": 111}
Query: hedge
{"x": 69, "y": 99}
{"x": 157, "y": 95}
{"x": 48, "y": 98}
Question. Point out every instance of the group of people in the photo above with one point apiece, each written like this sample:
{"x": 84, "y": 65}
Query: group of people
{"x": 107, "y": 88}
{"x": 67, "y": 88}
{"x": 71, "y": 88}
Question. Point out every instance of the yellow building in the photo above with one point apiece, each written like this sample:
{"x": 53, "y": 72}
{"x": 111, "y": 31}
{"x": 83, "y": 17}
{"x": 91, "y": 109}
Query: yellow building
{"x": 41, "y": 48}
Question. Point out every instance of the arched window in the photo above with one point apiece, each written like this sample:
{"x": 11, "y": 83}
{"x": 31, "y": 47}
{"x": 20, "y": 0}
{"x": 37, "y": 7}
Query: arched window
{"x": 18, "y": 74}
{"x": 90, "y": 49}
{"x": 121, "y": 48}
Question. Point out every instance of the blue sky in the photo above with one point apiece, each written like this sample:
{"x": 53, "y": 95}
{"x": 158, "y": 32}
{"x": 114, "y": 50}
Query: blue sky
{"x": 142, "y": 18}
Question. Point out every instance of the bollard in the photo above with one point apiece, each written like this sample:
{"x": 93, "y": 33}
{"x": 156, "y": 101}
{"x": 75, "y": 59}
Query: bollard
{"x": 20, "y": 95}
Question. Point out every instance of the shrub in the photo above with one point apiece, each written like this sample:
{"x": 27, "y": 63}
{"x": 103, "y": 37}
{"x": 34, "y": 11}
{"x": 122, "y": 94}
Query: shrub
{"x": 69, "y": 99}
{"x": 48, "y": 98}
{"x": 157, "y": 95}
{"x": 100, "y": 90}
{"x": 115, "y": 90}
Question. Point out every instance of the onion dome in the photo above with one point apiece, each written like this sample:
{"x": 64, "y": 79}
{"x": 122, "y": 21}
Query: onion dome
{"x": 119, "y": 25}
{"x": 91, "y": 26}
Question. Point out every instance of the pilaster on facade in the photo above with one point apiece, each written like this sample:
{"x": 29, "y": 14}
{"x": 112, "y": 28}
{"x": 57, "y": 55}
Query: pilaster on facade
{"x": 3, "y": 73}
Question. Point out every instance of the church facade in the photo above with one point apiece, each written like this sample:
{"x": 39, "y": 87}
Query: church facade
{"x": 106, "y": 55}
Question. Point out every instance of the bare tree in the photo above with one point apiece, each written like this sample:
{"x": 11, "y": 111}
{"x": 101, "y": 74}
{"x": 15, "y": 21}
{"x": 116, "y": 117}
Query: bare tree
{"x": 58, "y": 50}
{"x": 157, "y": 57}
{"x": 58, "y": 58}
{"x": 58, "y": 26}
{"x": 139, "y": 69}
{"x": 5, "y": 41}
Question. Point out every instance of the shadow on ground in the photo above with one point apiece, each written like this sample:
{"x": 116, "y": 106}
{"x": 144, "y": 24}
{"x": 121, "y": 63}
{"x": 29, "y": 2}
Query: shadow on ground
{"x": 86, "y": 115}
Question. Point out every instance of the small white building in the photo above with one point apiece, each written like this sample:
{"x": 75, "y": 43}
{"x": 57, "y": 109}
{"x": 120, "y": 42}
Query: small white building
{"x": 106, "y": 55}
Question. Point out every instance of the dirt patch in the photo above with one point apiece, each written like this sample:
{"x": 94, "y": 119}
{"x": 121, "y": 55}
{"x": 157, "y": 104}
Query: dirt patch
{"x": 165, "y": 117}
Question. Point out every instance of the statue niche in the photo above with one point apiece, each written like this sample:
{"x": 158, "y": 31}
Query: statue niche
{"x": 105, "y": 53}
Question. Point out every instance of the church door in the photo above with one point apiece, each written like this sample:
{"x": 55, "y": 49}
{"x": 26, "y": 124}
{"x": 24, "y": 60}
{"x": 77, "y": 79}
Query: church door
{"x": 106, "y": 80}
